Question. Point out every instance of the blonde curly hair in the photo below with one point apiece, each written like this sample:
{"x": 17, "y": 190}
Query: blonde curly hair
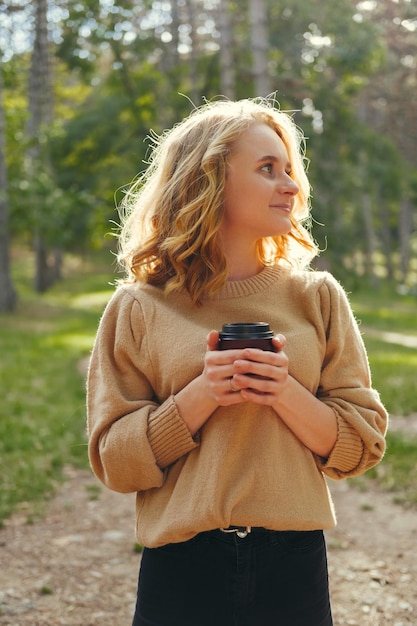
{"x": 172, "y": 213}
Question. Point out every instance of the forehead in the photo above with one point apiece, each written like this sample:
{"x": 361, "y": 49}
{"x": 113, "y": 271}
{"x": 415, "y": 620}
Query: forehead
{"x": 260, "y": 140}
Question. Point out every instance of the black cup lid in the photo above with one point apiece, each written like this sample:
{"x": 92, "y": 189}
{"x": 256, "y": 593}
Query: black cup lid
{"x": 246, "y": 330}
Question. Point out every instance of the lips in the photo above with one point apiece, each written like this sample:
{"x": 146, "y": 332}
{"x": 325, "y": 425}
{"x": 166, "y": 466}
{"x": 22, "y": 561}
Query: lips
{"x": 282, "y": 207}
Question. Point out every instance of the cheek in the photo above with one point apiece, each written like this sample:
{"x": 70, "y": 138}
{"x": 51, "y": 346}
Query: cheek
{"x": 232, "y": 201}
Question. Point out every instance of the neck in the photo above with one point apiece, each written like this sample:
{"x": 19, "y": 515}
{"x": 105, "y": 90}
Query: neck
{"x": 241, "y": 256}
{"x": 244, "y": 267}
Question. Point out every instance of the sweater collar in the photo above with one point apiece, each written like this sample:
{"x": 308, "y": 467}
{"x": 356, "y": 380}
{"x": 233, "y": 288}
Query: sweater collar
{"x": 250, "y": 286}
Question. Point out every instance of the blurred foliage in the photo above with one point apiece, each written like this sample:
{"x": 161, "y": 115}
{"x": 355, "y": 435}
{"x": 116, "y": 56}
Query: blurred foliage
{"x": 344, "y": 69}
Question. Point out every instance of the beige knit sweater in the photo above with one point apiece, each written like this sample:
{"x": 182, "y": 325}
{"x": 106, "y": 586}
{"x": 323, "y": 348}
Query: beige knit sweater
{"x": 245, "y": 467}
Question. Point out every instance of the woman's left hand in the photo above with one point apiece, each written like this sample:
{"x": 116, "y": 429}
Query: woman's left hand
{"x": 260, "y": 375}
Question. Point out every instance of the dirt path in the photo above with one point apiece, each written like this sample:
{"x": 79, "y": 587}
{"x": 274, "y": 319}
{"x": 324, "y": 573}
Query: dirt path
{"x": 78, "y": 567}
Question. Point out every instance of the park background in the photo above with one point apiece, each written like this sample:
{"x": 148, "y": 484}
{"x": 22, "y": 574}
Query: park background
{"x": 81, "y": 86}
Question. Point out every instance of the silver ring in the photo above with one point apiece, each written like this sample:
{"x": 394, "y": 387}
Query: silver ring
{"x": 232, "y": 389}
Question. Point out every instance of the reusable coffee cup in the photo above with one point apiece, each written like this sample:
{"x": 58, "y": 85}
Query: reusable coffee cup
{"x": 241, "y": 335}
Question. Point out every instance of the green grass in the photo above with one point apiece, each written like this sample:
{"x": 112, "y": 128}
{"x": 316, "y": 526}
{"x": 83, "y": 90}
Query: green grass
{"x": 386, "y": 311}
{"x": 42, "y": 412}
{"x": 397, "y": 472}
{"x": 394, "y": 370}
{"x": 393, "y": 364}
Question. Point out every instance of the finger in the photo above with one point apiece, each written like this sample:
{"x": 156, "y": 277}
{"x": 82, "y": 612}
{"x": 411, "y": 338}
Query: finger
{"x": 261, "y": 390}
{"x": 212, "y": 340}
{"x": 279, "y": 342}
{"x": 259, "y": 357}
{"x": 257, "y": 397}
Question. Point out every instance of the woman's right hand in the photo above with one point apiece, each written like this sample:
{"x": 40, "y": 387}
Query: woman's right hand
{"x": 211, "y": 389}
{"x": 218, "y": 372}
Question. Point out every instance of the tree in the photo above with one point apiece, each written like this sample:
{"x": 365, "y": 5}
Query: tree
{"x": 259, "y": 46}
{"x": 226, "y": 56}
{"x": 8, "y": 297}
{"x": 345, "y": 69}
{"x": 39, "y": 121}
{"x": 389, "y": 95}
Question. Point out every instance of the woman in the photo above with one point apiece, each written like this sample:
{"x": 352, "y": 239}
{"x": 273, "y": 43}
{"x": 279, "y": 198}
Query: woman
{"x": 229, "y": 468}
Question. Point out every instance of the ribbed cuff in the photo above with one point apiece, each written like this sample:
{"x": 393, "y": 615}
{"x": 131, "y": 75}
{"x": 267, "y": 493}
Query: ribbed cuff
{"x": 348, "y": 450}
{"x": 168, "y": 434}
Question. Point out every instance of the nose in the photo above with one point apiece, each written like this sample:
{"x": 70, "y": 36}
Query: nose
{"x": 288, "y": 186}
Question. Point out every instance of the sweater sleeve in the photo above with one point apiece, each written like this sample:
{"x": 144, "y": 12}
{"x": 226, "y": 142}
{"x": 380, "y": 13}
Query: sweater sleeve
{"x": 133, "y": 436}
{"x": 345, "y": 386}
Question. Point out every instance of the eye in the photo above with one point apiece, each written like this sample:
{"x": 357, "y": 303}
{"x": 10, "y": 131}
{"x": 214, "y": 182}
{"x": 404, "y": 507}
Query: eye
{"x": 268, "y": 167}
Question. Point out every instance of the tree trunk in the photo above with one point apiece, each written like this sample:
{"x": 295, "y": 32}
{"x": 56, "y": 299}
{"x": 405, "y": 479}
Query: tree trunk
{"x": 171, "y": 59}
{"x": 40, "y": 87}
{"x": 227, "y": 71}
{"x": 259, "y": 46}
{"x": 8, "y": 298}
{"x": 405, "y": 226}
{"x": 192, "y": 63}
{"x": 42, "y": 279}
{"x": 370, "y": 239}
{"x": 386, "y": 239}
{"x": 40, "y": 119}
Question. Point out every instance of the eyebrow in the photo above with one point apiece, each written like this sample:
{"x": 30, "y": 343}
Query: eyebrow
{"x": 271, "y": 157}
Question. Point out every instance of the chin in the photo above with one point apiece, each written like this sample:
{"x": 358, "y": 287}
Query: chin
{"x": 284, "y": 230}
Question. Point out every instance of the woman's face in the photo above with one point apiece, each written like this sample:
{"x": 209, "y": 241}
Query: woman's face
{"x": 259, "y": 191}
